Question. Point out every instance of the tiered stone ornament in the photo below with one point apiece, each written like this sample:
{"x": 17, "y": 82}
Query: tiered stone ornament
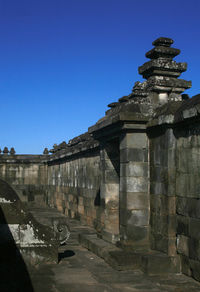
{"x": 46, "y": 151}
{"x": 162, "y": 72}
{"x": 12, "y": 151}
{"x": 5, "y": 151}
{"x": 162, "y": 84}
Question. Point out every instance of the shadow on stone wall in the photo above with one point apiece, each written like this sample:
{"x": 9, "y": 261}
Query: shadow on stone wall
{"x": 14, "y": 274}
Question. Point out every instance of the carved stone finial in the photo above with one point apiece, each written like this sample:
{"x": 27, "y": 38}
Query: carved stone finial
{"x": 12, "y": 151}
{"x": 5, "y": 151}
{"x": 162, "y": 71}
{"x": 46, "y": 151}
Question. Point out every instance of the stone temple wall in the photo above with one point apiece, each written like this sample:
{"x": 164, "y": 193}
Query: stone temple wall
{"x": 26, "y": 174}
{"x": 74, "y": 186}
{"x": 163, "y": 190}
{"x": 188, "y": 191}
{"x": 134, "y": 175}
{"x": 175, "y": 183}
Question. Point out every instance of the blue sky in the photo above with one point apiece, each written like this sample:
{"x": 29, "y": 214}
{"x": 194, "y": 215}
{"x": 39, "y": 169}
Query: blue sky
{"x": 63, "y": 61}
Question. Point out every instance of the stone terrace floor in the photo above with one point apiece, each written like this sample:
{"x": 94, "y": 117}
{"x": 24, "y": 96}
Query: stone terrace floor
{"x": 82, "y": 271}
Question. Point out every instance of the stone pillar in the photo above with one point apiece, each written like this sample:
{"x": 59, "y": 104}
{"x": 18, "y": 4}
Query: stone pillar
{"x": 134, "y": 195}
{"x": 109, "y": 190}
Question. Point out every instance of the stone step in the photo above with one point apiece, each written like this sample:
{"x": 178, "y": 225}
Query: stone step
{"x": 150, "y": 262}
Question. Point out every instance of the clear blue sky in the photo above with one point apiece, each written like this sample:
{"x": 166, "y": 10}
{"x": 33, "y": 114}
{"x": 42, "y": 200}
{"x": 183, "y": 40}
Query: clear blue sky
{"x": 63, "y": 61}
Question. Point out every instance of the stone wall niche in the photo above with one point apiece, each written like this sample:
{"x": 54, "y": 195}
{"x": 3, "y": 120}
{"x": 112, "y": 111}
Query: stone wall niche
{"x": 109, "y": 190}
{"x": 134, "y": 197}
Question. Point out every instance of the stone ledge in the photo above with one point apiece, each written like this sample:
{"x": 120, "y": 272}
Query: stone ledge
{"x": 150, "y": 262}
{"x": 24, "y": 158}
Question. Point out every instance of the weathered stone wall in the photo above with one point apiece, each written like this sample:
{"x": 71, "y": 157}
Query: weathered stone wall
{"x": 27, "y": 174}
{"x": 109, "y": 188}
{"x": 188, "y": 198}
{"x": 162, "y": 190}
{"x": 174, "y": 184}
{"x": 74, "y": 187}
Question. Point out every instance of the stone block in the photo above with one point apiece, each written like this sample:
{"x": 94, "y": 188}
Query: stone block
{"x": 171, "y": 204}
{"x": 183, "y": 225}
{"x": 156, "y": 173}
{"x": 160, "y": 243}
{"x": 107, "y": 164}
{"x": 137, "y": 233}
{"x": 111, "y": 205}
{"x": 134, "y": 169}
{"x": 194, "y": 185}
{"x": 185, "y": 265}
{"x": 172, "y": 248}
{"x": 194, "y": 249}
{"x": 158, "y": 188}
{"x": 109, "y": 192}
{"x": 194, "y": 228}
{"x": 110, "y": 236}
{"x": 130, "y": 154}
{"x": 183, "y": 244}
{"x": 159, "y": 263}
{"x": 182, "y": 160}
{"x": 87, "y": 202}
{"x": 171, "y": 158}
{"x": 80, "y": 200}
{"x": 134, "y": 184}
{"x": 159, "y": 224}
{"x": 193, "y": 207}
{"x": 195, "y": 269}
{"x": 138, "y": 218}
{"x": 137, "y": 200}
{"x": 182, "y": 185}
{"x": 111, "y": 176}
{"x": 182, "y": 206}
{"x": 111, "y": 226}
{"x": 133, "y": 140}
{"x": 171, "y": 225}
{"x": 81, "y": 209}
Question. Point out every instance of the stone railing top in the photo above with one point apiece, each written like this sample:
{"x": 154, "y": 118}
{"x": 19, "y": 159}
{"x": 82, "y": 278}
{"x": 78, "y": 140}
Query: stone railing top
{"x": 75, "y": 145}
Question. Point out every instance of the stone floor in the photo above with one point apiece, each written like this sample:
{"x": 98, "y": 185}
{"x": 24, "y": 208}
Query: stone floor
{"x": 79, "y": 270}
